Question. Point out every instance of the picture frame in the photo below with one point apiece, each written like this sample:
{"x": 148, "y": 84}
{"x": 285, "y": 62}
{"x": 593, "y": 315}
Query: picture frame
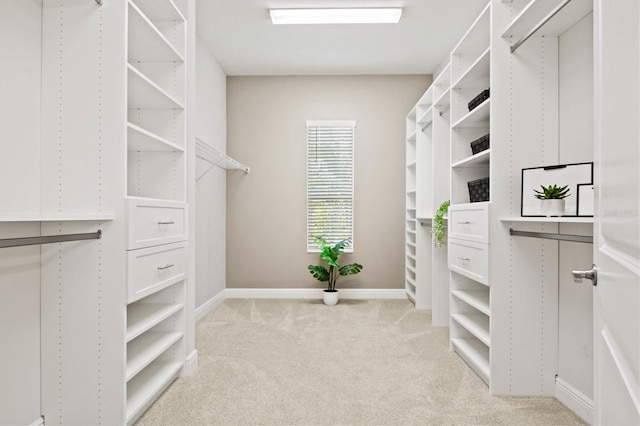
{"x": 574, "y": 175}
{"x": 585, "y": 200}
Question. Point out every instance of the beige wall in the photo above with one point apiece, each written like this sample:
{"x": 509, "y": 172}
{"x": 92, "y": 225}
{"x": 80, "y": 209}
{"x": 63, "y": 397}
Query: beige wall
{"x": 266, "y": 209}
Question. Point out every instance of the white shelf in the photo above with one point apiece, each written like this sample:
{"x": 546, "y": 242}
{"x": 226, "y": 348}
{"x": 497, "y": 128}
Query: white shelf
{"x": 139, "y": 139}
{"x": 479, "y": 299}
{"x": 411, "y": 282}
{"x": 412, "y": 136}
{"x": 536, "y": 10}
{"x": 476, "y": 39}
{"x": 412, "y": 191}
{"x": 410, "y": 256}
{"x": 443, "y": 101}
{"x": 426, "y": 118}
{"x": 89, "y": 217}
{"x": 411, "y": 268}
{"x": 411, "y": 295}
{"x": 409, "y": 243}
{"x": 476, "y": 354}
{"x": 160, "y": 10}
{"x": 548, "y": 219}
{"x": 146, "y": 348}
{"x": 146, "y": 42}
{"x": 411, "y": 165}
{"x": 476, "y": 324}
{"x": 477, "y": 76}
{"x": 146, "y": 386}
{"x": 142, "y": 316}
{"x": 478, "y": 117}
{"x": 478, "y": 159}
{"x": 145, "y": 94}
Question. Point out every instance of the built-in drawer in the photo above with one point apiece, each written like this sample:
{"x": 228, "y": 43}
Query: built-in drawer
{"x": 154, "y": 222}
{"x": 151, "y": 269}
{"x": 469, "y": 259}
{"x": 469, "y": 222}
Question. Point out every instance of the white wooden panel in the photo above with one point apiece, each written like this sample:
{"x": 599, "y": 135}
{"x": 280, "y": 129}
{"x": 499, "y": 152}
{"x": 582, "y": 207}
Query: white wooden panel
{"x": 154, "y": 222}
{"x": 20, "y": 72}
{"x": 19, "y": 326}
{"x": 152, "y": 269}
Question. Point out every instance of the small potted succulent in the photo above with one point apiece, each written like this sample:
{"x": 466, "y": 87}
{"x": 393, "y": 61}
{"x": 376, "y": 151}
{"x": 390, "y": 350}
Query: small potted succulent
{"x": 553, "y": 199}
{"x": 330, "y": 255}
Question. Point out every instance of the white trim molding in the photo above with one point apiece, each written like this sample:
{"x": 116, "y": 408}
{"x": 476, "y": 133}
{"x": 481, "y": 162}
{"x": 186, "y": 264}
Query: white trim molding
{"x": 313, "y": 293}
{"x": 209, "y": 305}
{"x": 575, "y": 400}
{"x": 190, "y": 363}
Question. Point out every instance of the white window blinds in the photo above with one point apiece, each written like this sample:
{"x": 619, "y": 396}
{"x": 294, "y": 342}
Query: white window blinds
{"x": 330, "y": 181}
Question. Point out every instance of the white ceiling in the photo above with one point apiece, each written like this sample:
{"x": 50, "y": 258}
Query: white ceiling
{"x": 241, "y": 37}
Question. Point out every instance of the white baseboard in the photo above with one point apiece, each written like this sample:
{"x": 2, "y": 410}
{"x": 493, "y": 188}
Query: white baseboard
{"x": 312, "y": 293}
{"x": 190, "y": 363}
{"x": 209, "y": 305}
{"x": 575, "y": 400}
{"x": 39, "y": 422}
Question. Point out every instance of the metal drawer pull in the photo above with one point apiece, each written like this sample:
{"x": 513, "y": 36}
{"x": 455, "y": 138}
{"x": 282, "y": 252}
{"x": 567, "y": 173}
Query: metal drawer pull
{"x": 162, "y": 268}
{"x": 464, "y": 223}
{"x": 166, "y": 223}
{"x": 466, "y": 259}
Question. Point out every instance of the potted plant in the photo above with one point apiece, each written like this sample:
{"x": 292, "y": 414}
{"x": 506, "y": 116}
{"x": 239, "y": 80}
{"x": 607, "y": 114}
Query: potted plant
{"x": 330, "y": 255}
{"x": 552, "y": 197}
{"x": 438, "y": 228}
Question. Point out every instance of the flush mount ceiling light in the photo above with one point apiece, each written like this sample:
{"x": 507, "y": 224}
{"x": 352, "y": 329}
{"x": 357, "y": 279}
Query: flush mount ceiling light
{"x": 385, "y": 15}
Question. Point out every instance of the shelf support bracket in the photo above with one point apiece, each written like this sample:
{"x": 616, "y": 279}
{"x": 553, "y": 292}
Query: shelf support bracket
{"x": 540, "y": 24}
{"x": 48, "y": 239}
{"x": 561, "y": 237}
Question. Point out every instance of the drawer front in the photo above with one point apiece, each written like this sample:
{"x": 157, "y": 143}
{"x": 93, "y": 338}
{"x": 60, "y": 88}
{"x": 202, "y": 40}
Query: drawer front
{"x": 151, "y": 269}
{"x": 153, "y": 223}
{"x": 470, "y": 223}
{"x": 470, "y": 259}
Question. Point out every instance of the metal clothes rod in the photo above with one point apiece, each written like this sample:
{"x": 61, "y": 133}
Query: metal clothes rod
{"x": 561, "y": 237}
{"x": 445, "y": 109}
{"x": 540, "y": 24}
{"x": 427, "y": 126}
{"x": 30, "y": 241}
{"x": 99, "y": 2}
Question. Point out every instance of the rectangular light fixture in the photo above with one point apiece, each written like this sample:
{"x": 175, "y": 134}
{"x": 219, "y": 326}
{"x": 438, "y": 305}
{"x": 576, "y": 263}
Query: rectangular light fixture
{"x": 384, "y": 15}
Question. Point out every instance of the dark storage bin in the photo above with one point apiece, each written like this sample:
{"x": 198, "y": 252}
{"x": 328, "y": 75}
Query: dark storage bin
{"x": 479, "y": 190}
{"x": 480, "y": 144}
{"x": 483, "y": 96}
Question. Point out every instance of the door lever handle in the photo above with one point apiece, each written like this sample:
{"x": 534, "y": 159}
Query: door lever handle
{"x": 591, "y": 274}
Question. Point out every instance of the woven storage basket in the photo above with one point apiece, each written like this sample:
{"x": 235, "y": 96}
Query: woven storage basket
{"x": 479, "y": 190}
{"x": 480, "y": 144}
{"x": 483, "y": 96}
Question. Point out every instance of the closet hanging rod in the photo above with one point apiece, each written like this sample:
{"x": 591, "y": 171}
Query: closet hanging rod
{"x": 47, "y": 239}
{"x": 445, "y": 109}
{"x": 99, "y": 2}
{"x": 562, "y": 237}
{"x": 540, "y": 24}
{"x": 427, "y": 126}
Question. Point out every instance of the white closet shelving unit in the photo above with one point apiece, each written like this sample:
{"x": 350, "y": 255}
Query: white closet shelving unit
{"x": 468, "y": 248}
{"x": 156, "y": 202}
{"x": 114, "y": 83}
{"x": 428, "y": 278}
{"x": 411, "y": 252}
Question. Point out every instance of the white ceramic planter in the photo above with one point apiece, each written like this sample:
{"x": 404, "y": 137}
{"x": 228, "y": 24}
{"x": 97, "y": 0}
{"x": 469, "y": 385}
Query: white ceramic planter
{"x": 553, "y": 207}
{"x": 330, "y": 298}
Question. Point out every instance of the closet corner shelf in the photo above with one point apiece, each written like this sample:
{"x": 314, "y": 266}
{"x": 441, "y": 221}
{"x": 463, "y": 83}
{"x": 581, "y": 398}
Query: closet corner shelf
{"x": 55, "y": 217}
{"x": 547, "y": 219}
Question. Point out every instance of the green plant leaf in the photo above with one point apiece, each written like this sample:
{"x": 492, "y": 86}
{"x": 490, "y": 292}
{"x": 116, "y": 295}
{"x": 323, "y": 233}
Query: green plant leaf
{"x": 438, "y": 228}
{"x": 351, "y": 269}
{"x": 319, "y": 272}
{"x": 552, "y": 192}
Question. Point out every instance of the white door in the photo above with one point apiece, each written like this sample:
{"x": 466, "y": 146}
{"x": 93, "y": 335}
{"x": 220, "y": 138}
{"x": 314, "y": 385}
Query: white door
{"x": 617, "y": 230}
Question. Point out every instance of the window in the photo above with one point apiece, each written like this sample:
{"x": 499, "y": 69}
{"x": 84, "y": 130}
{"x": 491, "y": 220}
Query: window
{"x": 330, "y": 181}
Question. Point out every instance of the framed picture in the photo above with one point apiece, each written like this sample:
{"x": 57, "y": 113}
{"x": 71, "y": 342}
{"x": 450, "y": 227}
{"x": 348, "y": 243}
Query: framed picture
{"x": 574, "y": 175}
{"x": 585, "y": 200}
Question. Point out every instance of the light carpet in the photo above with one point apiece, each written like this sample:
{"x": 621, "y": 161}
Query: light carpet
{"x": 362, "y": 362}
